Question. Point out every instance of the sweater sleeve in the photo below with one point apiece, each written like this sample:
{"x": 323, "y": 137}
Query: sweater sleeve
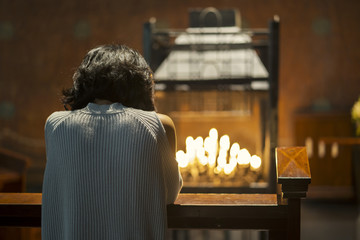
{"x": 51, "y": 124}
{"x": 172, "y": 176}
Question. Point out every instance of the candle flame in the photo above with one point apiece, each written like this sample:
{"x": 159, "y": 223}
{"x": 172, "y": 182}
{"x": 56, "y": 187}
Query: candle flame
{"x": 213, "y": 134}
{"x": 234, "y": 150}
{"x": 215, "y": 154}
{"x": 182, "y": 159}
{"x": 243, "y": 157}
{"x": 255, "y": 162}
{"x": 225, "y": 142}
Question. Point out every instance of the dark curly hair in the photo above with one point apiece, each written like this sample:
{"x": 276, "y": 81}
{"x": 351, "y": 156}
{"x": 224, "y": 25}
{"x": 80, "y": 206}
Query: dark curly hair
{"x": 112, "y": 72}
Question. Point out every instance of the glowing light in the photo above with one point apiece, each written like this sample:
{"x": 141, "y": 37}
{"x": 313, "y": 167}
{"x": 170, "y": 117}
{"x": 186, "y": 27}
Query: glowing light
{"x": 213, "y": 133}
{"x": 190, "y": 149}
{"x": 212, "y": 160}
{"x": 200, "y": 154}
{"x": 225, "y": 142}
{"x": 228, "y": 169}
{"x": 199, "y": 142}
{"x": 221, "y": 160}
{"x": 189, "y": 141}
{"x": 217, "y": 170}
{"x": 234, "y": 150}
{"x": 243, "y": 157}
{"x": 203, "y": 160}
{"x": 233, "y": 162}
{"x": 182, "y": 159}
{"x": 214, "y": 155}
{"x": 255, "y": 162}
{"x": 210, "y": 146}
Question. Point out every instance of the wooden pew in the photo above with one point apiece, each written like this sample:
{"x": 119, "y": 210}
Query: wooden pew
{"x": 279, "y": 213}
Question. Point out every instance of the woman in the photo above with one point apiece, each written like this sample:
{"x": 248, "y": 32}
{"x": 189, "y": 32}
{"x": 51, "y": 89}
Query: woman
{"x": 110, "y": 169}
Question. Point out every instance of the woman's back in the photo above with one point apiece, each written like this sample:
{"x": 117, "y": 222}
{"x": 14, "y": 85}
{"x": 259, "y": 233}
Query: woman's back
{"x": 110, "y": 173}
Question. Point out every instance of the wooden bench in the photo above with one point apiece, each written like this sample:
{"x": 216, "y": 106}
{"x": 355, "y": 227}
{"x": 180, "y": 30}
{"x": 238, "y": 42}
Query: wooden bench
{"x": 278, "y": 213}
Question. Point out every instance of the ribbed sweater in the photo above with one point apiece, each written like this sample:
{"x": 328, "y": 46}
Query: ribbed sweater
{"x": 109, "y": 175}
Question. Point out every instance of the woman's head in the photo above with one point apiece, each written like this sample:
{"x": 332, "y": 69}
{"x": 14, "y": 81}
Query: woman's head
{"x": 112, "y": 72}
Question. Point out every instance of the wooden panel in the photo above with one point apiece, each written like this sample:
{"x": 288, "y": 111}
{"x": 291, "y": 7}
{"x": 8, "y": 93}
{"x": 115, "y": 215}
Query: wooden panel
{"x": 226, "y": 199}
{"x": 326, "y": 169}
{"x": 227, "y": 217}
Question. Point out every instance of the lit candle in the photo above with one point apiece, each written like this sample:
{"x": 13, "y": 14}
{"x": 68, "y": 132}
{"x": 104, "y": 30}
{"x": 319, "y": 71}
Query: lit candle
{"x": 255, "y": 162}
{"x": 234, "y": 150}
{"x": 200, "y": 154}
{"x": 215, "y": 158}
{"x": 228, "y": 169}
{"x": 212, "y": 160}
{"x": 221, "y": 160}
{"x": 243, "y": 157}
{"x": 213, "y": 134}
{"x": 182, "y": 159}
{"x": 190, "y": 149}
{"x": 199, "y": 142}
{"x": 225, "y": 142}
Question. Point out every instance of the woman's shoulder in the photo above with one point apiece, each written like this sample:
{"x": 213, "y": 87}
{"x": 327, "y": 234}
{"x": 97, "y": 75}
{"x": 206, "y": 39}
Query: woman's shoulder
{"x": 170, "y": 131}
{"x": 148, "y": 118}
{"x": 58, "y": 115}
{"x": 55, "y": 118}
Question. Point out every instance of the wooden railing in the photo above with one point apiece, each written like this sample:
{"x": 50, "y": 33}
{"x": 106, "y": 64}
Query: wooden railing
{"x": 279, "y": 213}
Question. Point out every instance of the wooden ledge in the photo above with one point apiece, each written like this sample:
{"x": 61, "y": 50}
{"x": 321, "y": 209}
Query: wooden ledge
{"x": 227, "y": 211}
{"x": 20, "y": 199}
{"x": 20, "y": 209}
{"x": 184, "y": 199}
{"x": 187, "y": 199}
{"x": 219, "y": 211}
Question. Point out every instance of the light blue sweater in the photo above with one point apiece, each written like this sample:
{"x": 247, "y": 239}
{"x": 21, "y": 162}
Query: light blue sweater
{"x": 109, "y": 175}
